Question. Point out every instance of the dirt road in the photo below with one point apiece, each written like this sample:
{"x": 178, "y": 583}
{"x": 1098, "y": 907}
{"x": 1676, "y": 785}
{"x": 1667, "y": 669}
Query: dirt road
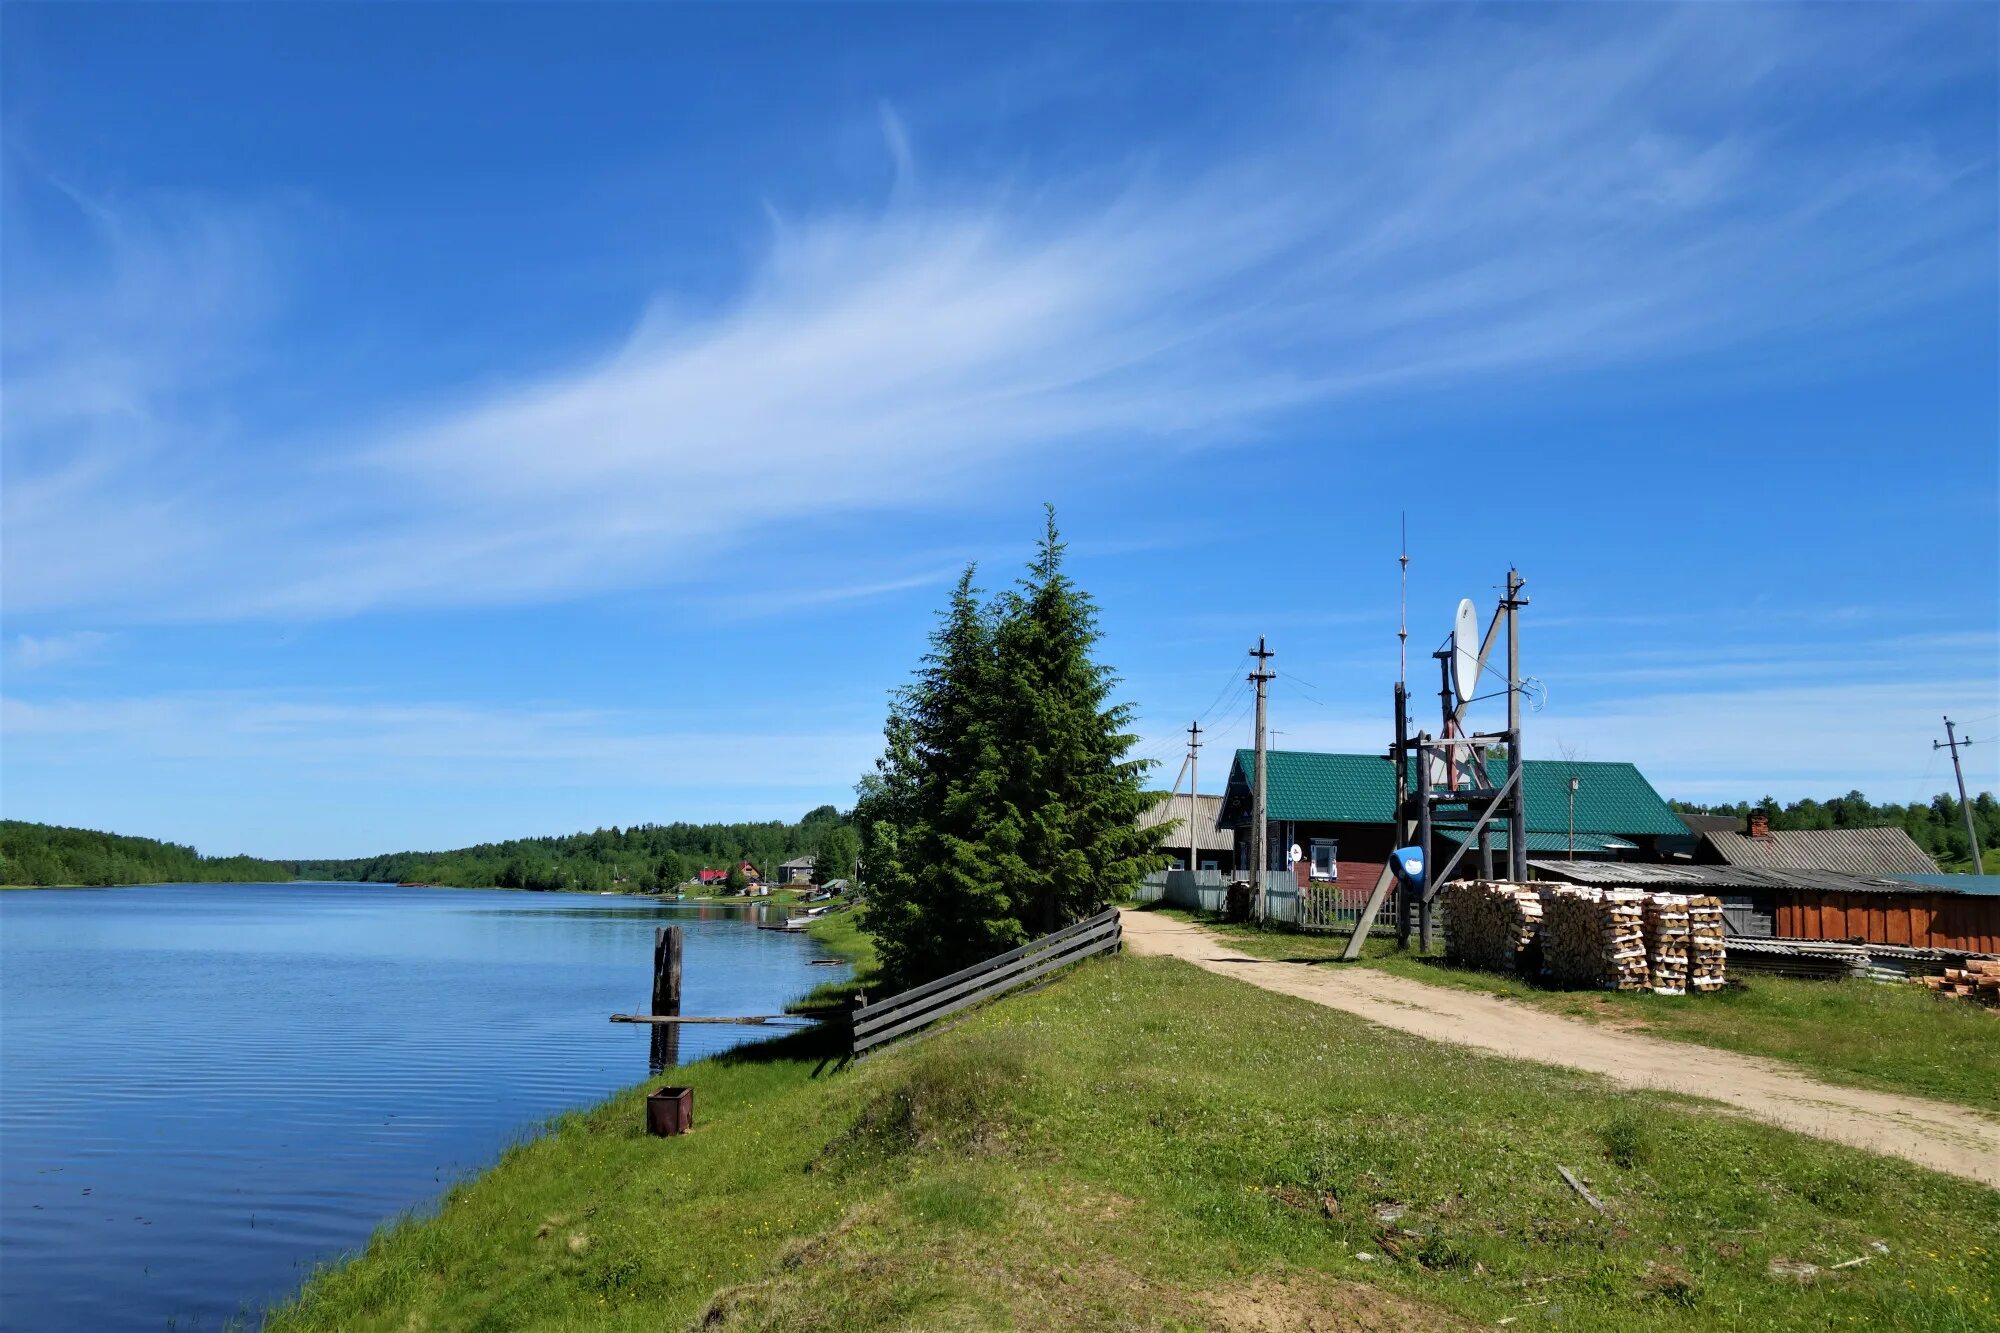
{"x": 1933, "y": 1134}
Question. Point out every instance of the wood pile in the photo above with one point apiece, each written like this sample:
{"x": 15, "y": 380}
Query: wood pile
{"x": 1667, "y": 942}
{"x": 1978, "y": 981}
{"x": 1594, "y": 937}
{"x": 1613, "y": 939}
{"x": 1707, "y": 954}
{"x": 1489, "y": 924}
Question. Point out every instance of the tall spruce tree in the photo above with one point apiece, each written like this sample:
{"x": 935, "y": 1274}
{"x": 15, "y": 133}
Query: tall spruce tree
{"x": 1063, "y": 833}
{"x": 1002, "y": 806}
{"x": 935, "y": 902}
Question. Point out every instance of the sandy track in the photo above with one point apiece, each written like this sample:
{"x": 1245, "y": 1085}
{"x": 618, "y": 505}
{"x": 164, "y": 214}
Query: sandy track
{"x": 1933, "y": 1134}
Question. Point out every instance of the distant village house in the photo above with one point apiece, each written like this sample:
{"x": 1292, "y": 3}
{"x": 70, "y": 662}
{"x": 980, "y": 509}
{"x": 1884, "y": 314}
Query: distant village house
{"x": 1214, "y": 845}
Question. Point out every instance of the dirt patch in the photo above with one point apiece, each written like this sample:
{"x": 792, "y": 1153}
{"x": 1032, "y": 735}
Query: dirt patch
{"x": 1938, "y": 1135}
{"x": 1302, "y": 1303}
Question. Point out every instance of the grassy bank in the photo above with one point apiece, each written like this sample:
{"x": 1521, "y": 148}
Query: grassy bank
{"x": 844, "y": 934}
{"x": 1141, "y": 1144}
{"x": 1860, "y": 1033}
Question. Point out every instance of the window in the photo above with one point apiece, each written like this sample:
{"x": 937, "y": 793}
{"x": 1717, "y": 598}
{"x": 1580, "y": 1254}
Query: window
{"x": 1325, "y": 859}
{"x": 1211, "y": 865}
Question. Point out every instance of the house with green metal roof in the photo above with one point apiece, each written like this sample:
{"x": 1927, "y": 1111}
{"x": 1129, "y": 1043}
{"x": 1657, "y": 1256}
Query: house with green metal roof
{"x": 1340, "y": 811}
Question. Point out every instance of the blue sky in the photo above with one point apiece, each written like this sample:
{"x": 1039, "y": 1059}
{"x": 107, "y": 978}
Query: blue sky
{"x": 425, "y": 424}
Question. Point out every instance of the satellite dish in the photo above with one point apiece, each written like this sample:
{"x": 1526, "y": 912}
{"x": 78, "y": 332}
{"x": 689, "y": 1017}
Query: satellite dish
{"x": 1465, "y": 651}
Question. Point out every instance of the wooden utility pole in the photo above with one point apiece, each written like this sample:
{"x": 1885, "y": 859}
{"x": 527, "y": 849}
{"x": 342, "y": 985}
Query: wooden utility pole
{"x": 1517, "y": 823}
{"x": 1194, "y": 785}
{"x": 1405, "y": 906}
{"x": 1260, "y": 834}
{"x": 1952, "y": 742}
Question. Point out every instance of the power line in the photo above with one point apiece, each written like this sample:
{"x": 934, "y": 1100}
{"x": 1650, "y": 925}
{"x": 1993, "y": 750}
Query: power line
{"x": 1310, "y": 697}
{"x": 1234, "y": 680}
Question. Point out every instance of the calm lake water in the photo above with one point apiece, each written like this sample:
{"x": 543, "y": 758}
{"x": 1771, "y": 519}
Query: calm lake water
{"x": 206, "y": 1089}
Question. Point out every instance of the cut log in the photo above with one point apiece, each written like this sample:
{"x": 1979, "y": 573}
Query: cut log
{"x": 1491, "y": 924}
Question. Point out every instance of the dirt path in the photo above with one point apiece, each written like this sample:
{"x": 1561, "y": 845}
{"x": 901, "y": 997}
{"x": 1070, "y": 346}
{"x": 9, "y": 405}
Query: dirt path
{"x": 1933, "y": 1134}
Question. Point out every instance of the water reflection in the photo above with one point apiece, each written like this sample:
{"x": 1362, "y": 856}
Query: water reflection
{"x": 211, "y": 1088}
{"x": 666, "y": 1049}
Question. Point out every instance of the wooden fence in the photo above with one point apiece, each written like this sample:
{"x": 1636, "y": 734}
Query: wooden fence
{"x": 1316, "y": 907}
{"x": 900, "y": 1015}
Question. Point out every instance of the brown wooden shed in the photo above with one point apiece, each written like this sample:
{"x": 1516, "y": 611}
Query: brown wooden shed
{"x": 1935, "y": 919}
{"x": 1954, "y": 912}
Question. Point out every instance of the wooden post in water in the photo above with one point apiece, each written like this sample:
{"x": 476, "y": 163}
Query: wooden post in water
{"x": 667, "y": 970}
{"x": 666, "y": 1044}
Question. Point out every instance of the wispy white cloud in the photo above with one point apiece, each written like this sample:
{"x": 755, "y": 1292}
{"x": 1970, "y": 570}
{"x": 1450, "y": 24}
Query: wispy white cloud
{"x": 1526, "y": 197}
{"x": 31, "y": 652}
{"x": 318, "y": 737}
{"x": 775, "y": 601}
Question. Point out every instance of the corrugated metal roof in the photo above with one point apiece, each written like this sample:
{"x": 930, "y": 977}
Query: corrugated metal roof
{"x": 1208, "y": 810}
{"x": 1855, "y": 851}
{"x": 1587, "y": 844}
{"x": 1700, "y": 824}
{"x": 1639, "y": 875}
{"x": 1611, "y": 798}
{"x": 1980, "y": 884}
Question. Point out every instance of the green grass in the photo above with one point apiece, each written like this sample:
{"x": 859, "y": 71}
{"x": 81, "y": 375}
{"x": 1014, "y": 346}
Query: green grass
{"x": 1144, "y": 1145}
{"x": 845, "y": 934}
{"x": 1897, "y": 1038}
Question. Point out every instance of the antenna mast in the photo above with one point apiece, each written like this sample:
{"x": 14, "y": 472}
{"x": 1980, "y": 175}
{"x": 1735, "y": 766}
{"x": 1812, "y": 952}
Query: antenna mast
{"x": 1403, "y": 607}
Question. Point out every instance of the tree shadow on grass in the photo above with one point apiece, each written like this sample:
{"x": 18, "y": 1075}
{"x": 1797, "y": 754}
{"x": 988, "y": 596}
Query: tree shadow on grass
{"x": 822, "y": 1045}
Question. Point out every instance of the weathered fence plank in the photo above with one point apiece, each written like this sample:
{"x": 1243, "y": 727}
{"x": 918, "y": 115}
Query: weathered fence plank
{"x": 899, "y": 1015}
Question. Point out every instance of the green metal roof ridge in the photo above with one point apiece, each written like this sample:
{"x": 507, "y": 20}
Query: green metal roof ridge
{"x": 1308, "y": 785}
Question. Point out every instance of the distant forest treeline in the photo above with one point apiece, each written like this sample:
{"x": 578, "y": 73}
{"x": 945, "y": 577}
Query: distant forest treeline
{"x": 658, "y": 856}
{"x": 1938, "y": 827}
{"x": 48, "y": 854}
{"x": 640, "y": 859}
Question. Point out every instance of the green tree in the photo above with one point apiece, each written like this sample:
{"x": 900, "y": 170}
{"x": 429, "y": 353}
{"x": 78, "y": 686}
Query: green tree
{"x": 834, "y": 858}
{"x": 1002, "y": 805}
{"x": 936, "y": 903}
{"x": 671, "y": 869}
{"x": 1064, "y": 833}
{"x": 736, "y": 881}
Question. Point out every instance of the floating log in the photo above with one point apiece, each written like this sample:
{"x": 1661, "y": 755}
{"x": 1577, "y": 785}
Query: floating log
{"x": 675, "y": 1019}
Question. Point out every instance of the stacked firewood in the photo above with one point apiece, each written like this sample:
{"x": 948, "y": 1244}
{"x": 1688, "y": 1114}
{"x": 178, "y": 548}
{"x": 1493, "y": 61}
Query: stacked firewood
{"x": 1490, "y": 924}
{"x": 1594, "y": 937}
{"x": 1978, "y": 980}
{"x": 1707, "y": 954}
{"x": 1667, "y": 943}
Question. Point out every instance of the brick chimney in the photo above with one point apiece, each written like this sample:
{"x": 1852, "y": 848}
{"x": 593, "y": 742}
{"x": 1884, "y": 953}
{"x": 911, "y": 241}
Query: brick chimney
{"x": 1760, "y": 825}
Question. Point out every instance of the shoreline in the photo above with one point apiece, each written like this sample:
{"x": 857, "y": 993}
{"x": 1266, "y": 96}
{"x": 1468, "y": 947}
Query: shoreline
{"x": 782, "y": 897}
{"x": 1012, "y": 1172}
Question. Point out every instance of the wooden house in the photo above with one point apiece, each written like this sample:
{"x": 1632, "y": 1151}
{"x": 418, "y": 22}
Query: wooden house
{"x": 1214, "y": 844}
{"x": 1340, "y": 811}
